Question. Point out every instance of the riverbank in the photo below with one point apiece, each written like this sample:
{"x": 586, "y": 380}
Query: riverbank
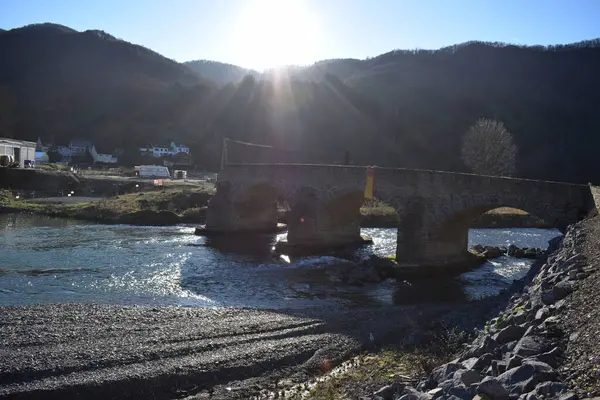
{"x": 159, "y": 207}
{"x": 544, "y": 342}
{"x": 101, "y": 352}
{"x": 175, "y": 205}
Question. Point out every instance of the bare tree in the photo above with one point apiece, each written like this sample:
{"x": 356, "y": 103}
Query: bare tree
{"x": 488, "y": 149}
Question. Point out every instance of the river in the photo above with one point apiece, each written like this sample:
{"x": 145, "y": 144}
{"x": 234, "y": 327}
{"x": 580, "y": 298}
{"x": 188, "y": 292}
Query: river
{"x": 51, "y": 260}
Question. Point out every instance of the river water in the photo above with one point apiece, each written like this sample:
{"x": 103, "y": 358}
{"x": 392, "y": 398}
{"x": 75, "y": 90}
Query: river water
{"x": 48, "y": 260}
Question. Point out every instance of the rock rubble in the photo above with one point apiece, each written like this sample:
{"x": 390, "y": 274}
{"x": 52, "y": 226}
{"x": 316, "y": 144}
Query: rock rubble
{"x": 518, "y": 354}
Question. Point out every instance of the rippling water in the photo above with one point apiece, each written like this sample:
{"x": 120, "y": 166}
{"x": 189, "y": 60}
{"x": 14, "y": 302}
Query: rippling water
{"x": 45, "y": 260}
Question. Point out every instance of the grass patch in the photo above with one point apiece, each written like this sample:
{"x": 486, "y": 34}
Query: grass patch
{"x": 176, "y": 200}
{"x": 373, "y": 207}
{"x": 53, "y": 167}
{"x": 378, "y": 214}
{"x": 371, "y": 371}
{"x": 507, "y": 210}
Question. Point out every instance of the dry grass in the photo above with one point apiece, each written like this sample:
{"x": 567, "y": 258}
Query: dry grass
{"x": 507, "y": 210}
{"x": 176, "y": 200}
{"x": 369, "y": 372}
{"x": 377, "y": 208}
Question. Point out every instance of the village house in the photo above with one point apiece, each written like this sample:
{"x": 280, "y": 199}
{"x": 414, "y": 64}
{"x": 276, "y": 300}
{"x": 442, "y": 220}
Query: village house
{"x": 165, "y": 150}
{"x": 103, "y": 155}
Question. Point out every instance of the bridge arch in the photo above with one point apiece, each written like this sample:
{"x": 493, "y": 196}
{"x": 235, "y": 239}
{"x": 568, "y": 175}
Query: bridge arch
{"x": 437, "y": 230}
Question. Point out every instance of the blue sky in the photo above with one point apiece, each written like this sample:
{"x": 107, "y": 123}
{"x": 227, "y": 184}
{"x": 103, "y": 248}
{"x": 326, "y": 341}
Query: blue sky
{"x": 266, "y": 33}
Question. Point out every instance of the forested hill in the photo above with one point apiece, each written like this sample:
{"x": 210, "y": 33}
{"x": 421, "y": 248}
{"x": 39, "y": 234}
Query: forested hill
{"x": 78, "y": 84}
{"x": 219, "y": 72}
{"x": 403, "y": 108}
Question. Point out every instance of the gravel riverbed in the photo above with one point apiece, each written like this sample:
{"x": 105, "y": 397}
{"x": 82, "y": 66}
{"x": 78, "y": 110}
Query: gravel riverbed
{"x": 99, "y": 352}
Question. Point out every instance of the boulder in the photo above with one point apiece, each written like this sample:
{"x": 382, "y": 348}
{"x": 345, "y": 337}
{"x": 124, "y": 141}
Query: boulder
{"x": 542, "y": 313}
{"x": 444, "y": 372}
{"x": 499, "y": 367}
{"x": 562, "y": 290}
{"x": 492, "y": 389}
{"x": 548, "y": 297}
{"x": 518, "y": 318}
{"x": 511, "y": 250}
{"x": 551, "y": 357}
{"x": 469, "y": 363}
{"x": 508, "y": 347}
{"x": 411, "y": 394}
{"x": 573, "y": 274}
{"x": 508, "y": 334}
{"x": 478, "y": 248}
{"x": 459, "y": 392}
{"x": 526, "y": 377}
{"x": 550, "y": 389}
{"x": 531, "y": 345}
{"x": 483, "y": 362}
{"x": 550, "y": 322}
{"x": 387, "y": 392}
{"x": 532, "y": 253}
{"x": 435, "y": 393}
{"x": 576, "y": 261}
{"x": 514, "y": 362}
{"x": 427, "y": 384}
{"x": 568, "y": 396}
{"x": 482, "y": 345}
{"x": 467, "y": 377}
{"x": 581, "y": 276}
{"x": 491, "y": 252}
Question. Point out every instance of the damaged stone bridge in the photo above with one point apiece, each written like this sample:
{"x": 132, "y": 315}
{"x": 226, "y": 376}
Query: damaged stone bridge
{"x": 435, "y": 209}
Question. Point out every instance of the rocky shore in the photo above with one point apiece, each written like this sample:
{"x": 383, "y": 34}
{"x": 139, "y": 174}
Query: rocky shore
{"x": 543, "y": 345}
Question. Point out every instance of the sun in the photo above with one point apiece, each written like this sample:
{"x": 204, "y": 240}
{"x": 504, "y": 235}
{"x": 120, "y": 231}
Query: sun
{"x": 271, "y": 33}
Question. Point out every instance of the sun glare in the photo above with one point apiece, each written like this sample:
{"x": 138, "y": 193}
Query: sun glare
{"x": 271, "y": 33}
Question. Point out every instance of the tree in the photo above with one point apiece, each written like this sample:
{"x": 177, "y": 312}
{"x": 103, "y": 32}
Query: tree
{"x": 488, "y": 149}
{"x": 53, "y": 155}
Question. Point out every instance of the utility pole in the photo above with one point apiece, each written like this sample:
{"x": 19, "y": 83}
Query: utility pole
{"x": 224, "y": 154}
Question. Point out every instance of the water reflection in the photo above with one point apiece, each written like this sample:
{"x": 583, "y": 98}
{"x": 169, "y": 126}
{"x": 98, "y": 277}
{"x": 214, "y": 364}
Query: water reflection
{"x": 257, "y": 245}
{"x": 55, "y": 260}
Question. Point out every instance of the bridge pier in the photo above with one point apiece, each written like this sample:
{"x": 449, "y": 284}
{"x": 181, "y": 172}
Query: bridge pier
{"x": 317, "y": 221}
{"x": 427, "y": 249}
{"x": 425, "y": 241}
{"x": 242, "y": 211}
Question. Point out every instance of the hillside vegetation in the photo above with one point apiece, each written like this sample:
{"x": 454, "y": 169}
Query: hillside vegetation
{"x": 403, "y": 108}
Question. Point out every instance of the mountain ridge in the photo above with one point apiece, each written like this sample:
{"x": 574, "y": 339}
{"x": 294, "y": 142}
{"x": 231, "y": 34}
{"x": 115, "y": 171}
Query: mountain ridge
{"x": 406, "y": 108}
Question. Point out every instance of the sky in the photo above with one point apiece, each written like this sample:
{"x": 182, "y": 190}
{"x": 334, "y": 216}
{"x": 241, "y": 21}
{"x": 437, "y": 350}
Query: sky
{"x": 262, "y": 34}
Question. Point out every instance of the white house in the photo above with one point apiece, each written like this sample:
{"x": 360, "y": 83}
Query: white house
{"x": 165, "y": 150}
{"x": 21, "y": 150}
{"x": 102, "y": 156}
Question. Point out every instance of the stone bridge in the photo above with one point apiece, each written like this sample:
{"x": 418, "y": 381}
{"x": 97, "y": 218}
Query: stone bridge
{"x": 435, "y": 209}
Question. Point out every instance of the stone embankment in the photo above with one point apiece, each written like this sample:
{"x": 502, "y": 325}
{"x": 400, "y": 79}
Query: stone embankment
{"x": 536, "y": 348}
